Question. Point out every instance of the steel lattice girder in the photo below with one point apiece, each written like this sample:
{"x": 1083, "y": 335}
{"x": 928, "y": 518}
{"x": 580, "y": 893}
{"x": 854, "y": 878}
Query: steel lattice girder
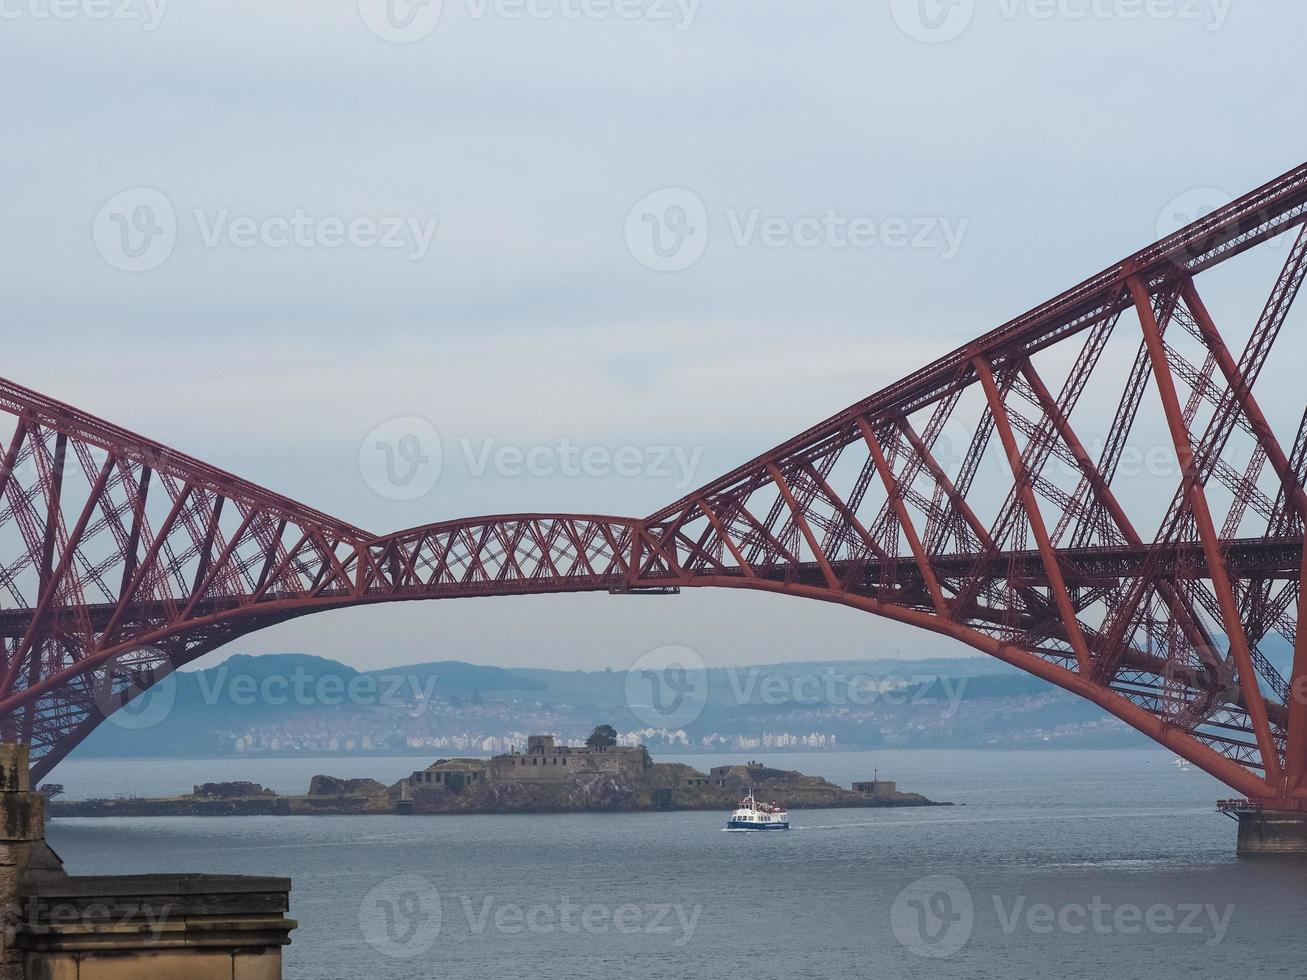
{"x": 122, "y": 560}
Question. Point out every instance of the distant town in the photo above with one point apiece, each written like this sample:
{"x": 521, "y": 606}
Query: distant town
{"x": 299, "y": 705}
{"x": 543, "y": 776}
{"x": 276, "y": 740}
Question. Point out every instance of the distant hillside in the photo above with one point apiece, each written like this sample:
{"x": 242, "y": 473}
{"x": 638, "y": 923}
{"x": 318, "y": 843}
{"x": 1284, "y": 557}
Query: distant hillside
{"x": 466, "y": 680}
{"x": 607, "y": 688}
{"x": 288, "y": 701}
{"x": 245, "y": 691}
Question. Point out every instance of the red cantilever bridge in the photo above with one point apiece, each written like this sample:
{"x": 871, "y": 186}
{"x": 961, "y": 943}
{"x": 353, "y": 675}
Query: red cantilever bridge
{"x": 121, "y": 560}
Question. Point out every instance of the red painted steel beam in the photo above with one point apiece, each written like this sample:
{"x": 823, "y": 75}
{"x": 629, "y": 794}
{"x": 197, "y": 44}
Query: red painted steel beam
{"x": 1056, "y": 582}
{"x": 191, "y": 590}
{"x": 1176, "y": 740}
{"x": 1259, "y": 215}
{"x": 1295, "y": 771}
{"x": 1207, "y": 533}
{"x": 808, "y": 536}
{"x": 904, "y": 518}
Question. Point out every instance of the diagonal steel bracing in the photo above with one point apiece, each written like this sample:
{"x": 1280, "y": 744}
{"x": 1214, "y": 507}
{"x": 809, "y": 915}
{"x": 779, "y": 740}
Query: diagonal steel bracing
{"x": 122, "y": 560}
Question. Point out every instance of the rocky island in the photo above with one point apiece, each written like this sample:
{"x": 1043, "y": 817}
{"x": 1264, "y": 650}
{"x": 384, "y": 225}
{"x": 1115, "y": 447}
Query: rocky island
{"x": 546, "y": 778}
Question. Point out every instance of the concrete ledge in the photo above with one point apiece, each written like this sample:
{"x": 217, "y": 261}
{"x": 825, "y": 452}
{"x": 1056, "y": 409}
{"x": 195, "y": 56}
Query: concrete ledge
{"x": 157, "y": 965}
{"x": 1273, "y": 832}
{"x": 143, "y": 926}
{"x": 136, "y": 927}
{"x": 180, "y": 885}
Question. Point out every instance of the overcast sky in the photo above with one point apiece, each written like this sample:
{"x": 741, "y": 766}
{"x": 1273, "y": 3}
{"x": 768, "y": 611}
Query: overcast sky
{"x": 260, "y": 230}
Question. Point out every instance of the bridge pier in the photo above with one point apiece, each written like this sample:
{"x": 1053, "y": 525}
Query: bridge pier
{"x": 1272, "y": 832}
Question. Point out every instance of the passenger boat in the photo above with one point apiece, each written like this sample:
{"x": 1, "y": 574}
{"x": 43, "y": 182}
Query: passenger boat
{"x": 753, "y": 815}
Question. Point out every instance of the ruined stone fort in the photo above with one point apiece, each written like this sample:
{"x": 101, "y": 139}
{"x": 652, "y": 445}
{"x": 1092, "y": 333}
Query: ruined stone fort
{"x": 544, "y": 761}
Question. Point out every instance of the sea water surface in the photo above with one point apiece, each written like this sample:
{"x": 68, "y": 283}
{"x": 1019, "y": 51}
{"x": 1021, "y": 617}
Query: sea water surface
{"x": 1060, "y": 864}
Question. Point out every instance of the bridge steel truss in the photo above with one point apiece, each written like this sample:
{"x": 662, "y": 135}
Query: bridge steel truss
{"x": 122, "y": 560}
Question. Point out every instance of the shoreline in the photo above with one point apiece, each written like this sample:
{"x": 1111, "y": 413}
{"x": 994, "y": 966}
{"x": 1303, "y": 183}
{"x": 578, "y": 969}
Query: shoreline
{"x": 341, "y": 757}
{"x": 450, "y": 787}
{"x": 187, "y": 807}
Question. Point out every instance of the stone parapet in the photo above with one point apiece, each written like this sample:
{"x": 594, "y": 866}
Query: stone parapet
{"x": 148, "y": 926}
{"x": 135, "y": 927}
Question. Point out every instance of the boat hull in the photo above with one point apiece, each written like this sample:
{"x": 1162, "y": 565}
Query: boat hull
{"x": 742, "y": 825}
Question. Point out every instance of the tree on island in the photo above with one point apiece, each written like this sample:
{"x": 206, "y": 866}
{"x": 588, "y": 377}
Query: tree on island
{"x": 603, "y": 737}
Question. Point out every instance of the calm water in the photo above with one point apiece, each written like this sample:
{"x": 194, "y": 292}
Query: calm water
{"x": 1061, "y": 864}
